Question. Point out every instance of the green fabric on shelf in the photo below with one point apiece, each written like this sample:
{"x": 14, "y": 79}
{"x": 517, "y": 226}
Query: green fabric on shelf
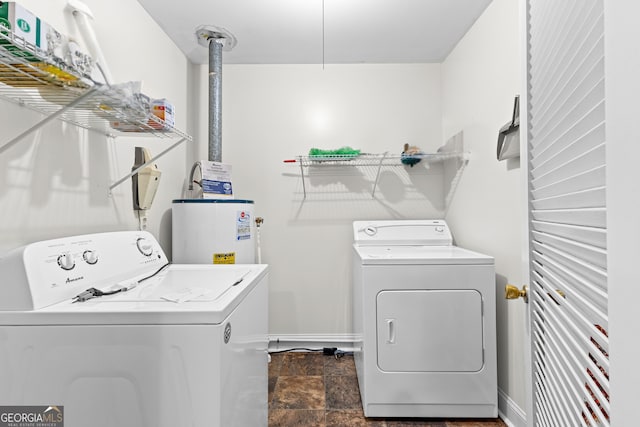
{"x": 343, "y": 151}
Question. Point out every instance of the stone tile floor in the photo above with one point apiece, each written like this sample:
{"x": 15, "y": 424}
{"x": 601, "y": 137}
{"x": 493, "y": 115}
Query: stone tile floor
{"x": 312, "y": 390}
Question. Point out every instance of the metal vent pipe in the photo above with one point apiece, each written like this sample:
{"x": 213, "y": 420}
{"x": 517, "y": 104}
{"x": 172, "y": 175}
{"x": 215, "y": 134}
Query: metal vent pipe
{"x": 216, "y": 39}
{"x": 215, "y": 100}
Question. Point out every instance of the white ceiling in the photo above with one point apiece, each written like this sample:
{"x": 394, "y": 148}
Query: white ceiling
{"x": 301, "y": 32}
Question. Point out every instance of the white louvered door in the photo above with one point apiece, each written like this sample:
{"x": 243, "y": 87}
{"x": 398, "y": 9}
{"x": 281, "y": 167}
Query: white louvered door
{"x": 567, "y": 213}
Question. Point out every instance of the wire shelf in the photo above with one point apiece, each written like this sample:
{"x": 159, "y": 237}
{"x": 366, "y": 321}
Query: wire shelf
{"x": 383, "y": 159}
{"x": 34, "y": 80}
{"x": 377, "y": 161}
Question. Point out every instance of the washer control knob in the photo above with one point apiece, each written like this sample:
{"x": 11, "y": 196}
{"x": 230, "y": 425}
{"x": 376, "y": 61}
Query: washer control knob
{"x": 144, "y": 246}
{"x": 91, "y": 257}
{"x": 66, "y": 262}
{"x": 439, "y": 229}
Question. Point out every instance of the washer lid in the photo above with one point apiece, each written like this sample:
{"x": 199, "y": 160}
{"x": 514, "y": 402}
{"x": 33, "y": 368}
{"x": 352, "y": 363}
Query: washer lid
{"x": 440, "y": 255}
{"x": 183, "y": 294}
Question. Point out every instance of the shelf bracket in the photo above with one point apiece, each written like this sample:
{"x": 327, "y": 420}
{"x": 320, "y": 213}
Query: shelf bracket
{"x": 304, "y": 187}
{"x": 49, "y": 118}
{"x": 145, "y": 164}
{"x": 375, "y": 184}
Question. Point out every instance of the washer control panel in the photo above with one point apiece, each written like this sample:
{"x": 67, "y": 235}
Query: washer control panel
{"x": 45, "y": 273}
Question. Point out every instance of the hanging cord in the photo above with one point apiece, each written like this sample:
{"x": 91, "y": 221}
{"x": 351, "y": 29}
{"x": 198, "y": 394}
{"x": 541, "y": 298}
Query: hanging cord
{"x": 94, "y": 292}
{"x": 322, "y": 34}
{"x": 327, "y": 351}
{"x": 104, "y": 74}
{"x": 296, "y": 349}
{"x": 142, "y": 219}
{"x": 83, "y": 18}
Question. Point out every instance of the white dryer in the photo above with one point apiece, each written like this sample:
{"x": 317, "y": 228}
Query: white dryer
{"x": 424, "y": 319}
{"x": 184, "y": 345}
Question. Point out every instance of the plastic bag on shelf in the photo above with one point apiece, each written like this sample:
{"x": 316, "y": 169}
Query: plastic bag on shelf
{"x": 134, "y": 111}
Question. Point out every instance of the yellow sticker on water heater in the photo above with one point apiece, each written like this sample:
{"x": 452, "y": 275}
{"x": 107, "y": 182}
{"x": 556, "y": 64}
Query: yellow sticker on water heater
{"x": 224, "y": 258}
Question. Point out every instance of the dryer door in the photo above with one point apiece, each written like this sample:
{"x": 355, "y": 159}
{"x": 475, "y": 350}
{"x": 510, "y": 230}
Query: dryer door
{"x": 430, "y": 331}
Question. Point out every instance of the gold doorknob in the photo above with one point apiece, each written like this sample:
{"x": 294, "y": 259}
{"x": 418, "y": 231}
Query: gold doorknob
{"x": 512, "y": 292}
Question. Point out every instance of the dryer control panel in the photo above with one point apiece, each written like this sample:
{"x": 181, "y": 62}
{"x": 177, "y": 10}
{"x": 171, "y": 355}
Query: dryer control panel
{"x": 44, "y": 273}
{"x": 402, "y": 232}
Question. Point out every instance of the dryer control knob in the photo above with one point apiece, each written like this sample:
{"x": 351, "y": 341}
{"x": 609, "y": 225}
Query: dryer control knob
{"x": 66, "y": 262}
{"x": 91, "y": 257}
{"x": 144, "y": 246}
{"x": 439, "y": 229}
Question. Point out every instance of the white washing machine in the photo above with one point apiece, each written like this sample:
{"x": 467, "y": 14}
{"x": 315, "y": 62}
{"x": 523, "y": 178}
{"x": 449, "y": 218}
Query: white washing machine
{"x": 424, "y": 321}
{"x": 183, "y": 345}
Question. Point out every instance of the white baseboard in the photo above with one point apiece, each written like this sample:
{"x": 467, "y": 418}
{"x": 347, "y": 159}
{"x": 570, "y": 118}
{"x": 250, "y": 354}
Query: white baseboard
{"x": 278, "y": 342}
{"x": 510, "y": 412}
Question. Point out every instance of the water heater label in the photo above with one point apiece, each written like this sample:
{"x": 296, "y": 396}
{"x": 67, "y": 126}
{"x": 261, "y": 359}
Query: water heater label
{"x": 224, "y": 258}
{"x": 216, "y": 179}
{"x": 243, "y": 225}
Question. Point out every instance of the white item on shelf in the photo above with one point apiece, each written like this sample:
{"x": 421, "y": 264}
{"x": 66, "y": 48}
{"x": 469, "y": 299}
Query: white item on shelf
{"x": 162, "y": 109}
{"x": 83, "y": 17}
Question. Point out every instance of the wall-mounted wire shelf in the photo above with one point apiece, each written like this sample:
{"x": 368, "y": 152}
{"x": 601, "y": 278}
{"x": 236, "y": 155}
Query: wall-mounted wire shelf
{"x": 377, "y": 161}
{"x": 383, "y": 159}
{"x": 33, "y": 79}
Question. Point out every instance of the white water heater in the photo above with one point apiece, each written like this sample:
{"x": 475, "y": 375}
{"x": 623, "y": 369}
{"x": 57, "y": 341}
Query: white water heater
{"x": 213, "y": 231}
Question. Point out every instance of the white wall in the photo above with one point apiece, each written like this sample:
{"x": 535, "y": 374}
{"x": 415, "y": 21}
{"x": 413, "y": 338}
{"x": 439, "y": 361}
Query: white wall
{"x": 55, "y": 182}
{"x": 480, "y": 79}
{"x": 274, "y": 112}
